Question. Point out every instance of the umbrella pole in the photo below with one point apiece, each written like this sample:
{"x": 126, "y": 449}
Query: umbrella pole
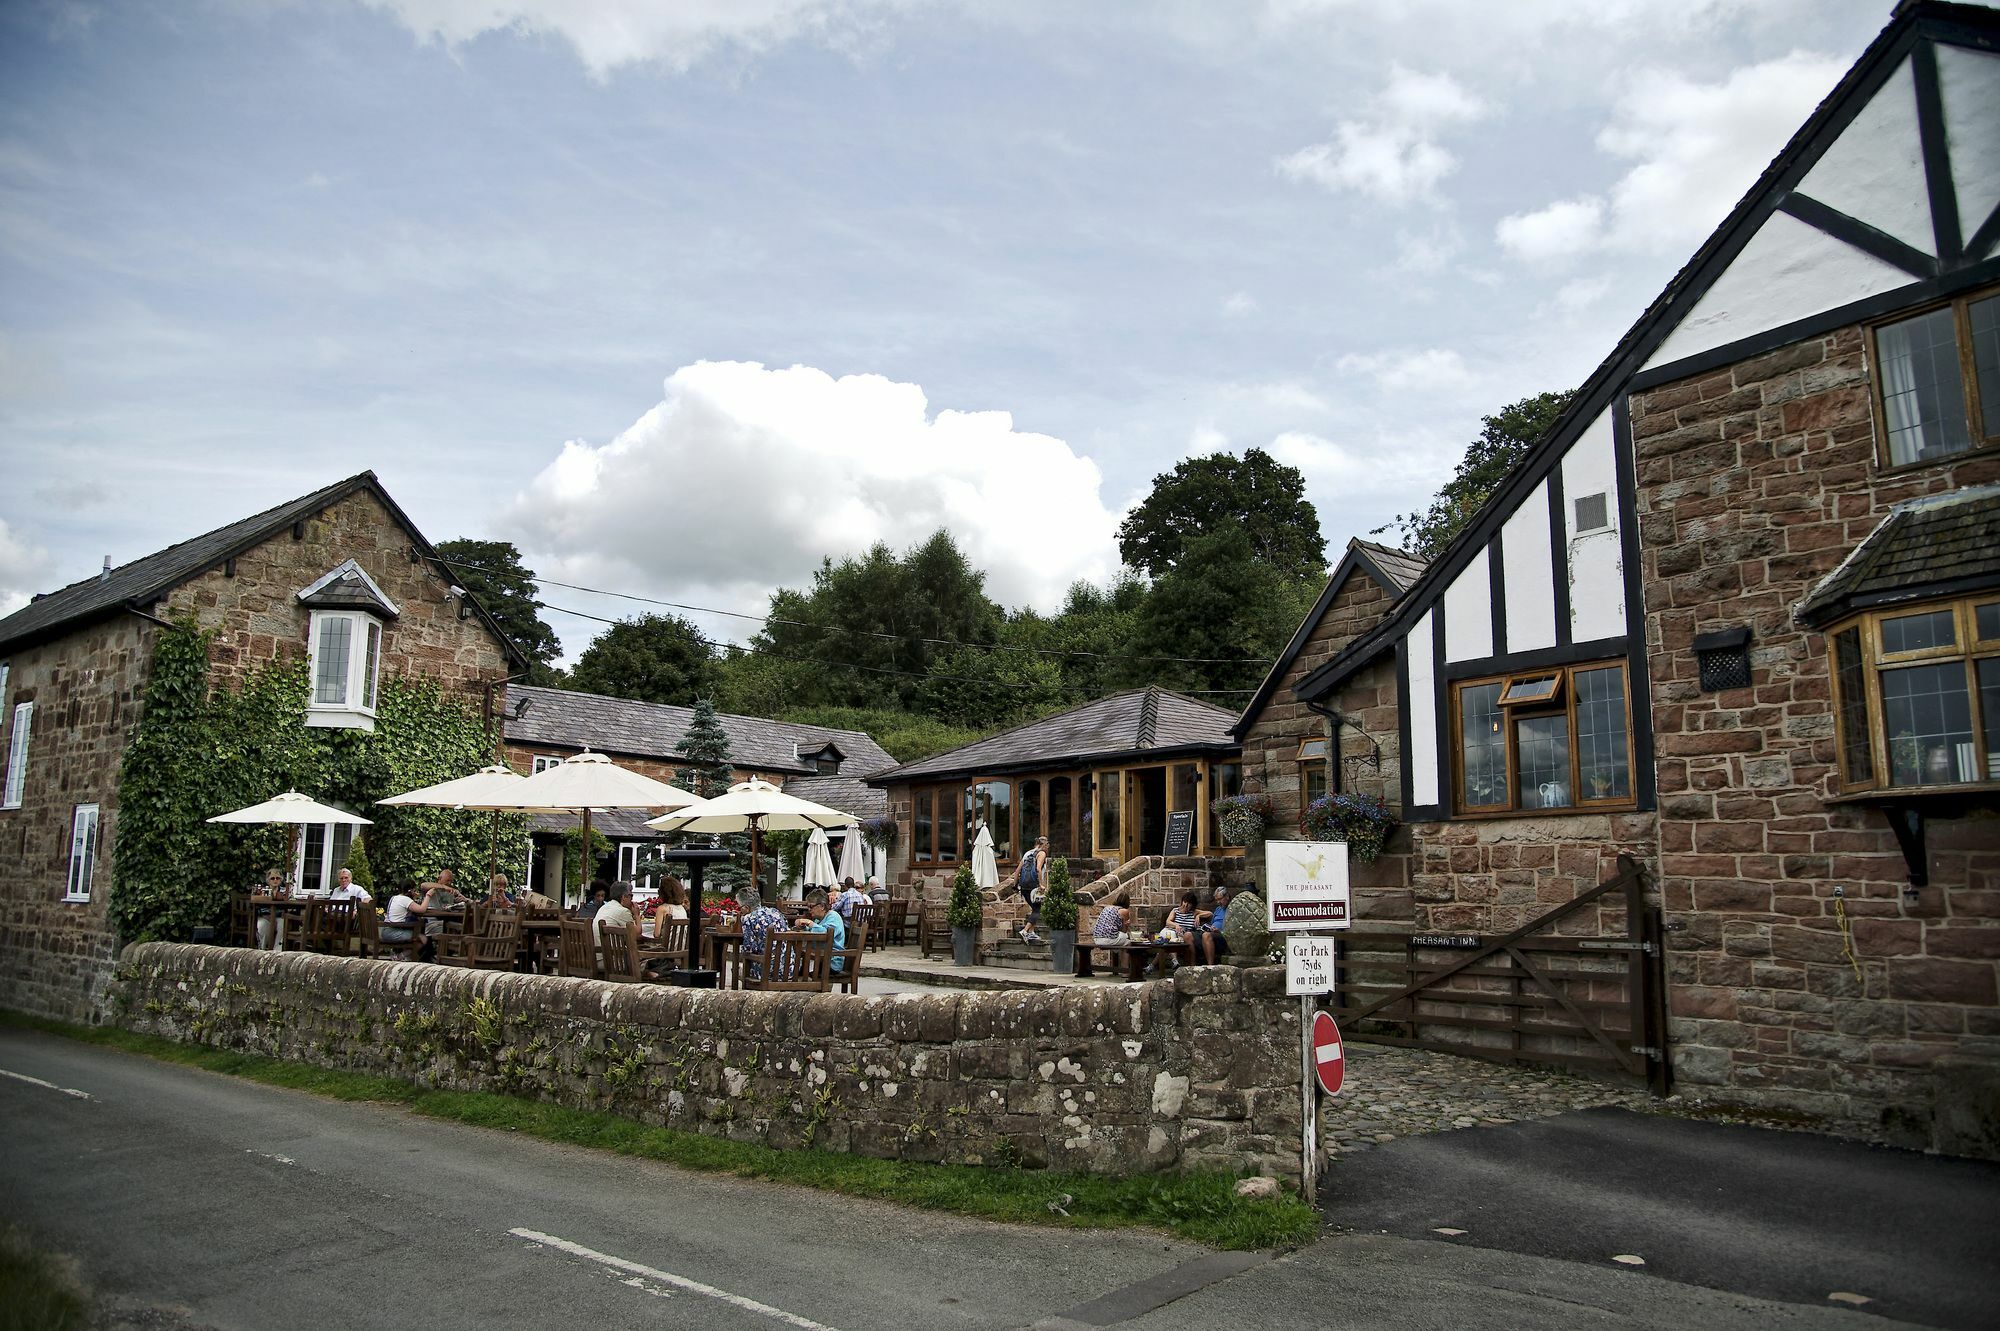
{"x": 589, "y": 874}
{"x": 493, "y": 848}
{"x": 756, "y": 879}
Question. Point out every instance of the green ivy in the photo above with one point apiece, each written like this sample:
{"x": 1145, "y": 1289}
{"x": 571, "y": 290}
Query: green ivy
{"x": 199, "y": 751}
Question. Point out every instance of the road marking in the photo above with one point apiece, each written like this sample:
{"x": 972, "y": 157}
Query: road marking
{"x": 266, "y": 1155}
{"x": 670, "y": 1279}
{"x": 47, "y": 1085}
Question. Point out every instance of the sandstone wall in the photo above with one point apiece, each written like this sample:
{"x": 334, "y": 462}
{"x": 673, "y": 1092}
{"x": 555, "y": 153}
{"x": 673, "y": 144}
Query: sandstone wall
{"x": 1196, "y": 1072}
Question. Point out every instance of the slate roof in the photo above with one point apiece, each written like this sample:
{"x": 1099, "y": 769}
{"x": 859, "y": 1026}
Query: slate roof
{"x": 147, "y": 580}
{"x": 849, "y": 794}
{"x": 1934, "y": 546}
{"x": 572, "y": 720}
{"x": 613, "y": 824}
{"x": 1399, "y": 566}
{"x": 1131, "y": 724}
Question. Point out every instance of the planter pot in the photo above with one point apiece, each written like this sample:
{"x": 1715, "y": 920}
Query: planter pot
{"x": 1062, "y": 951}
{"x": 964, "y": 945}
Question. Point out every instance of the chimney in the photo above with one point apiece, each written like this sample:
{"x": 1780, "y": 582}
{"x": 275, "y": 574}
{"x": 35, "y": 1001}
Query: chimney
{"x": 105, "y": 576}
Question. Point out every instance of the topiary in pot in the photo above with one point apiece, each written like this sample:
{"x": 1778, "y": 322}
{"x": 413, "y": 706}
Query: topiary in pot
{"x": 1059, "y": 918}
{"x": 964, "y": 915}
{"x": 357, "y": 864}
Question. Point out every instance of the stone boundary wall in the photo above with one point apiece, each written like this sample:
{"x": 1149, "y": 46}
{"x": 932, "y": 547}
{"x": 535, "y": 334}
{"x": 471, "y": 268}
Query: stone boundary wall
{"x": 1196, "y": 1072}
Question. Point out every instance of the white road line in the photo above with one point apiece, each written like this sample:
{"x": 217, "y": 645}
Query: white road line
{"x": 669, "y": 1278}
{"x": 47, "y": 1085}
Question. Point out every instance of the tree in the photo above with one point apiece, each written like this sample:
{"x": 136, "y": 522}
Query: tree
{"x": 1223, "y": 604}
{"x": 1504, "y": 439}
{"x": 654, "y": 658}
{"x": 707, "y": 771}
{"x": 1267, "y": 498}
{"x": 492, "y": 571}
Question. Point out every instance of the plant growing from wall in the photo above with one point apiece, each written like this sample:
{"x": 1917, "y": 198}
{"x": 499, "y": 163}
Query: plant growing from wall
{"x": 1243, "y": 817}
{"x": 200, "y": 750}
{"x": 964, "y": 911}
{"x": 1362, "y": 821}
{"x": 1059, "y": 904}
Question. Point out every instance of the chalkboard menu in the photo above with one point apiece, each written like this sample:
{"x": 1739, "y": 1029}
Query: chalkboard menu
{"x": 1180, "y": 831}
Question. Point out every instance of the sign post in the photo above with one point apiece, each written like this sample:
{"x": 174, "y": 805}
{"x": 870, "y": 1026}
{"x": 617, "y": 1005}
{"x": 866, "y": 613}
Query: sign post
{"x": 1309, "y": 890}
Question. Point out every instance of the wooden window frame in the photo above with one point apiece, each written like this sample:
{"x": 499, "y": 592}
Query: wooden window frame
{"x": 1561, "y": 703}
{"x": 1970, "y": 650}
{"x": 1968, "y": 374}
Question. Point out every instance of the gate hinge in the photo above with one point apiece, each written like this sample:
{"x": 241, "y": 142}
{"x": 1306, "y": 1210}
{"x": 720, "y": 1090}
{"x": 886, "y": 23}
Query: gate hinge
{"x": 1650, "y": 1051}
{"x": 1650, "y": 949}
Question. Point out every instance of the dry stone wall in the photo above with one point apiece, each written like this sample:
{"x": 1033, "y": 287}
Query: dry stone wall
{"x": 1196, "y": 1072}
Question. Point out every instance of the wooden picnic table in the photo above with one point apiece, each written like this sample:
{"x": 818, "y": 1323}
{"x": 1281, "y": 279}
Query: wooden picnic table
{"x": 725, "y": 954}
{"x": 1134, "y": 956}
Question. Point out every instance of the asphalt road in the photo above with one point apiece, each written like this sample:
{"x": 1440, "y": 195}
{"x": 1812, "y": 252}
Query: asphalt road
{"x": 226, "y": 1204}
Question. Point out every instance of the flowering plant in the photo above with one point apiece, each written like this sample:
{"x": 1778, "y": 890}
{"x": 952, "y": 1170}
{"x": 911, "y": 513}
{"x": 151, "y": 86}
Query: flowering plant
{"x": 1362, "y": 821}
{"x": 1243, "y": 817}
{"x": 879, "y": 832}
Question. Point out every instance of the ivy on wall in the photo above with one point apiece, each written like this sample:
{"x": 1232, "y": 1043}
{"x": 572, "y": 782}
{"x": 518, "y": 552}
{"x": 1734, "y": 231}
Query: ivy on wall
{"x": 199, "y": 751}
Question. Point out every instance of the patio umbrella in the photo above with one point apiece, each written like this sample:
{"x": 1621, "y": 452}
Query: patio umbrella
{"x": 850, "y": 856}
{"x": 755, "y": 807}
{"x": 294, "y": 808}
{"x": 819, "y": 861}
{"x": 985, "y": 872}
{"x": 467, "y": 792}
{"x": 587, "y": 783}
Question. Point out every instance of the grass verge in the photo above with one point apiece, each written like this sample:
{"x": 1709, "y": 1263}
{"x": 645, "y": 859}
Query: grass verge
{"x": 38, "y": 1291}
{"x": 1202, "y": 1207}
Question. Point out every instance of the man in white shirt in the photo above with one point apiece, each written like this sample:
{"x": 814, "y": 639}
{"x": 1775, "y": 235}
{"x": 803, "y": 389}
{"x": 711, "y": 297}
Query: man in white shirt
{"x": 345, "y": 890}
{"x": 617, "y": 913}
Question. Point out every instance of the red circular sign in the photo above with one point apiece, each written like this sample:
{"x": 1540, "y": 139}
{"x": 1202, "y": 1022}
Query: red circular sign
{"x": 1328, "y": 1056}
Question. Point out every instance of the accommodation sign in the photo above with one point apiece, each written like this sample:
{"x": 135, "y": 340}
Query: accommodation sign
{"x": 1180, "y": 832}
{"x": 1308, "y": 885}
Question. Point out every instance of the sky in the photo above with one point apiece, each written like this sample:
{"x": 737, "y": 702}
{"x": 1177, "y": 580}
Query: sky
{"x": 683, "y": 298}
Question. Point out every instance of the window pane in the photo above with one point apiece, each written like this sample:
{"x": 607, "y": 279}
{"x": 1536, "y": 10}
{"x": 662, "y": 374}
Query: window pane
{"x": 1312, "y": 749}
{"x": 1187, "y": 790}
{"x": 1986, "y": 360}
{"x": 374, "y": 663}
{"x": 1224, "y": 779}
{"x": 1542, "y": 747}
{"x": 947, "y": 826}
{"x": 1919, "y": 633}
{"x": 343, "y": 841}
{"x": 1988, "y": 617}
{"x": 1312, "y": 784}
{"x": 1483, "y": 746}
{"x": 1603, "y": 764}
{"x": 1109, "y": 786}
{"x": 993, "y": 802}
{"x": 1062, "y": 811}
{"x": 1923, "y": 396}
{"x": 17, "y": 754}
{"x": 921, "y": 835}
{"x": 335, "y": 640}
{"x": 1031, "y": 814}
{"x": 1536, "y": 688}
{"x": 1928, "y": 715}
{"x": 1854, "y": 737}
{"x": 82, "y": 850}
{"x": 1989, "y": 711}
{"x": 313, "y": 845}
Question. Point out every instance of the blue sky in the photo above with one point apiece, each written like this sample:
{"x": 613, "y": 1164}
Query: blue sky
{"x": 682, "y": 297}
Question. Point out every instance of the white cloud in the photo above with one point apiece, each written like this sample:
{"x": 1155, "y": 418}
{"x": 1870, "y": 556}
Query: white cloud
{"x": 1404, "y": 371}
{"x": 1576, "y": 296}
{"x": 608, "y": 34}
{"x": 1391, "y": 154}
{"x": 1239, "y": 304}
{"x": 1696, "y": 149}
{"x": 743, "y": 478}
{"x": 24, "y": 570}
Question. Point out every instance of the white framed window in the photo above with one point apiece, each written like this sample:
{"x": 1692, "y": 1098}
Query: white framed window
{"x": 3, "y": 683}
{"x": 628, "y": 861}
{"x": 17, "y": 755}
{"x": 323, "y": 850}
{"x": 82, "y": 852}
{"x": 544, "y": 761}
{"x": 346, "y": 656}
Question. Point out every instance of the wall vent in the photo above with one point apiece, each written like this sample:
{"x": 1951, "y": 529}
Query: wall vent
{"x": 1593, "y": 513}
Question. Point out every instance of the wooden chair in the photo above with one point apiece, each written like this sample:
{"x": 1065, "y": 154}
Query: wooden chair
{"x": 934, "y": 927}
{"x": 240, "y": 925}
{"x": 577, "y": 955}
{"x": 848, "y": 978}
{"x": 542, "y": 945}
{"x": 494, "y": 948}
{"x": 368, "y": 935}
{"x": 795, "y": 962}
{"x": 302, "y": 927}
{"x": 671, "y": 942}
{"x": 621, "y": 958}
{"x": 862, "y": 918}
{"x": 331, "y": 927}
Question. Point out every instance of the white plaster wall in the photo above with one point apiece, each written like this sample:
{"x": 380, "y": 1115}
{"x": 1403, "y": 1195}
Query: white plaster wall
{"x": 1788, "y": 271}
{"x": 1527, "y": 568}
{"x": 1969, "y": 86}
{"x": 1596, "y": 563}
{"x": 1875, "y": 170}
{"x": 1421, "y": 708}
{"x": 1468, "y": 611}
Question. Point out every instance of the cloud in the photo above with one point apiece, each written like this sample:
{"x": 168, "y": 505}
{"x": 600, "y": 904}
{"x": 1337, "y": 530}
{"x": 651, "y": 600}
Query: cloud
{"x": 1576, "y": 296}
{"x": 1392, "y": 153}
{"x": 1696, "y": 148}
{"x": 743, "y": 478}
{"x": 1239, "y": 304}
{"x": 24, "y": 570}
{"x": 1404, "y": 371}
{"x": 609, "y": 34}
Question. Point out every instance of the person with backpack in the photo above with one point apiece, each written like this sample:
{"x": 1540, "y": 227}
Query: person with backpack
{"x": 1033, "y": 884}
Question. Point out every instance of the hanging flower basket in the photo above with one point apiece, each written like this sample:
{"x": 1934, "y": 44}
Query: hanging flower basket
{"x": 879, "y": 832}
{"x": 1243, "y": 818}
{"x": 1362, "y": 821}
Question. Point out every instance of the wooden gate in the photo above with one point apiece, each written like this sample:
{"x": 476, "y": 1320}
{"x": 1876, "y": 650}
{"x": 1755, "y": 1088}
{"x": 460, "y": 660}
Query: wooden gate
{"x": 1564, "y": 989}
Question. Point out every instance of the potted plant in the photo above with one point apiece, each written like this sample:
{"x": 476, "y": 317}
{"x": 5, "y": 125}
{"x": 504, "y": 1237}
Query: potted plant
{"x": 1362, "y": 821}
{"x": 1059, "y": 918}
{"x": 879, "y": 832}
{"x": 1243, "y": 817}
{"x": 964, "y": 914}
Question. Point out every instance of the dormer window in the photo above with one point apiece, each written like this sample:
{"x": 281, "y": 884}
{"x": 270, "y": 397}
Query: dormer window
{"x": 826, "y": 762}
{"x": 345, "y": 636}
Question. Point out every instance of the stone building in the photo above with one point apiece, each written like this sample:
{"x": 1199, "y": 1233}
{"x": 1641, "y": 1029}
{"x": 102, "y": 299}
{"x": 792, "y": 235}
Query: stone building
{"x": 1738, "y": 617}
{"x": 544, "y": 726}
{"x": 339, "y": 577}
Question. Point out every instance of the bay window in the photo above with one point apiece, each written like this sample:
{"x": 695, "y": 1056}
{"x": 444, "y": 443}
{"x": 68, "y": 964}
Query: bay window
{"x": 346, "y": 656}
{"x": 1556, "y": 738}
{"x": 1917, "y": 696}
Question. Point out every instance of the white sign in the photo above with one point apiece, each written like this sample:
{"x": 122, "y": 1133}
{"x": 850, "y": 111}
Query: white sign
{"x": 1308, "y": 966}
{"x": 1308, "y": 885}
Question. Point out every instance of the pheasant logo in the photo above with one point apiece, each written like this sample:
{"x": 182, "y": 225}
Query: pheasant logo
{"x": 1313, "y": 867}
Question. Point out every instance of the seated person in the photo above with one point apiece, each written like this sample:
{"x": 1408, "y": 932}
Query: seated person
{"x": 1210, "y": 943}
{"x": 759, "y": 922}
{"x": 850, "y": 896}
{"x": 270, "y": 924}
{"x": 496, "y": 893}
{"x": 1186, "y": 917}
{"x": 345, "y": 889}
{"x": 1110, "y": 927}
{"x": 600, "y": 894}
{"x": 615, "y": 914}
{"x": 398, "y": 926}
{"x": 820, "y": 920}
{"x": 440, "y": 898}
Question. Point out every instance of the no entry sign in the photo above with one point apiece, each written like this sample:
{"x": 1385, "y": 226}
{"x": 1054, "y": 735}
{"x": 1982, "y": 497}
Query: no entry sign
{"x": 1328, "y": 1056}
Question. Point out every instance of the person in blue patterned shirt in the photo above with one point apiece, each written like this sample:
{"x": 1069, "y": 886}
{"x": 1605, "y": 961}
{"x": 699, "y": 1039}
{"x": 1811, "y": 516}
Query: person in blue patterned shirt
{"x": 759, "y": 922}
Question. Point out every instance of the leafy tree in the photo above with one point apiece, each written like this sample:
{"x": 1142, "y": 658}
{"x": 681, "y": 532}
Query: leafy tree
{"x": 1222, "y": 603}
{"x": 1262, "y": 495}
{"x": 492, "y": 571}
{"x": 707, "y": 772}
{"x": 654, "y": 658}
{"x": 1504, "y": 439}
